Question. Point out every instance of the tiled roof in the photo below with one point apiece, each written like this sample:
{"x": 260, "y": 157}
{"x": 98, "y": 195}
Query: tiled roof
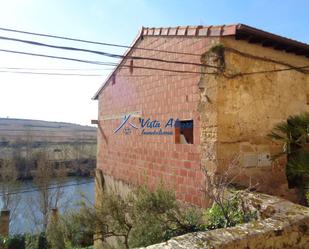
{"x": 239, "y": 31}
{"x": 223, "y": 30}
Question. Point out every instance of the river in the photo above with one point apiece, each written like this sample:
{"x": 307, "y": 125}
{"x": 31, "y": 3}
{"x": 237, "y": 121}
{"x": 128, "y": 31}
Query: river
{"x": 25, "y": 199}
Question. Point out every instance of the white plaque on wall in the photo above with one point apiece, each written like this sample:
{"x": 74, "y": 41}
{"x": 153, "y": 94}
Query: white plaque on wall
{"x": 250, "y": 159}
{"x": 264, "y": 159}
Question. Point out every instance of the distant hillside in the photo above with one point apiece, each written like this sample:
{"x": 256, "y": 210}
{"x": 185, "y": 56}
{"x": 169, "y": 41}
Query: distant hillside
{"x": 12, "y": 130}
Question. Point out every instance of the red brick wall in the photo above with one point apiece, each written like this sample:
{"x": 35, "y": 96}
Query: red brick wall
{"x": 152, "y": 159}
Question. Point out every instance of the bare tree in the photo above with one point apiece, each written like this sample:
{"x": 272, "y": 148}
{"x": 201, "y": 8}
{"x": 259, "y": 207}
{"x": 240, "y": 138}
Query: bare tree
{"x": 49, "y": 183}
{"x": 28, "y": 145}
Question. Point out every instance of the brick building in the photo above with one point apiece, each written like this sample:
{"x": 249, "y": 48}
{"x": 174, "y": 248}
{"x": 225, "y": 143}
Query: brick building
{"x": 225, "y": 87}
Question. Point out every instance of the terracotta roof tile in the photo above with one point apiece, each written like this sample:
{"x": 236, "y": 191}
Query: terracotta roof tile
{"x": 157, "y": 31}
{"x": 182, "y": 31}
{"x": 192, "y": 30}
{"x": 151, "y": 31}
{"x": 145, "y": 32}
{"x": 203, "y": 31}
{"x": 215, "y": 31}
{"x": 173, "y": 31}
{"x": 229, "y": 30}
{"x": 222, "y": 30}
{"x": 165, "y": 31}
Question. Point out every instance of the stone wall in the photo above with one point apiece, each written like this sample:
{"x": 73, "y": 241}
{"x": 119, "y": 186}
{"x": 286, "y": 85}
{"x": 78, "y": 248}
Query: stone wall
{"x": 285, "y": 225}
{"x": 249, "y": 106}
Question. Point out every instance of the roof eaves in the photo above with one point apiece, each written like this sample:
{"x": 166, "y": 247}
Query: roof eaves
{"x": 254, "y": 35}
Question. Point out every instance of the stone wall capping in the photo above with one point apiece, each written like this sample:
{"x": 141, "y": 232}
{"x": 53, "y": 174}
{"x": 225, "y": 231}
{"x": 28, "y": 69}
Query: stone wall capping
{"x": 288, "y": 227}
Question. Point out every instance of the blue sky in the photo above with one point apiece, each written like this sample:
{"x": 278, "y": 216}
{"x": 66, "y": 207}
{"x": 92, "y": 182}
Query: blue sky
{"x": 68, "y": 98}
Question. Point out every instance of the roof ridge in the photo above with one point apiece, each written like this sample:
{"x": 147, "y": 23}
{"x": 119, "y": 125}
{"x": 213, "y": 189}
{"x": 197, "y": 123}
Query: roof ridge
{"x": 191, "y": 30}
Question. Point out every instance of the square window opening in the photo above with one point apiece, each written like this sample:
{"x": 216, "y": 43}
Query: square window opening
{"x": 184, "y": 132}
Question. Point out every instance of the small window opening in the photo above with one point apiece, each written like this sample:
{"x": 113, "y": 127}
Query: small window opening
{"x": 184, "y": 132}
{"x": 131, "y": 66}
{"x": 113, "y": 79}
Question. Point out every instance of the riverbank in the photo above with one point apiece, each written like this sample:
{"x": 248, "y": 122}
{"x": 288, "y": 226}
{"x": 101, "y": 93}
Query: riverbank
{"x": 25, "y": 215}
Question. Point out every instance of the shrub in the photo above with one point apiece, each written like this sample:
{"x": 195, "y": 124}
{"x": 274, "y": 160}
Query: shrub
{"x": 54, "y": 235}
{"x": 229, "y": 214}
{"x": 75, "y": 232}
{"x": 24, "y": 241}
{"x": 12, "y": 242}
{"x": 16, "y": 241}
{"x": 141, "y": 218}
{"x": 31, "y": 241}
{"x": 158, "y": 217}
{"x": 42, "y": 241}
